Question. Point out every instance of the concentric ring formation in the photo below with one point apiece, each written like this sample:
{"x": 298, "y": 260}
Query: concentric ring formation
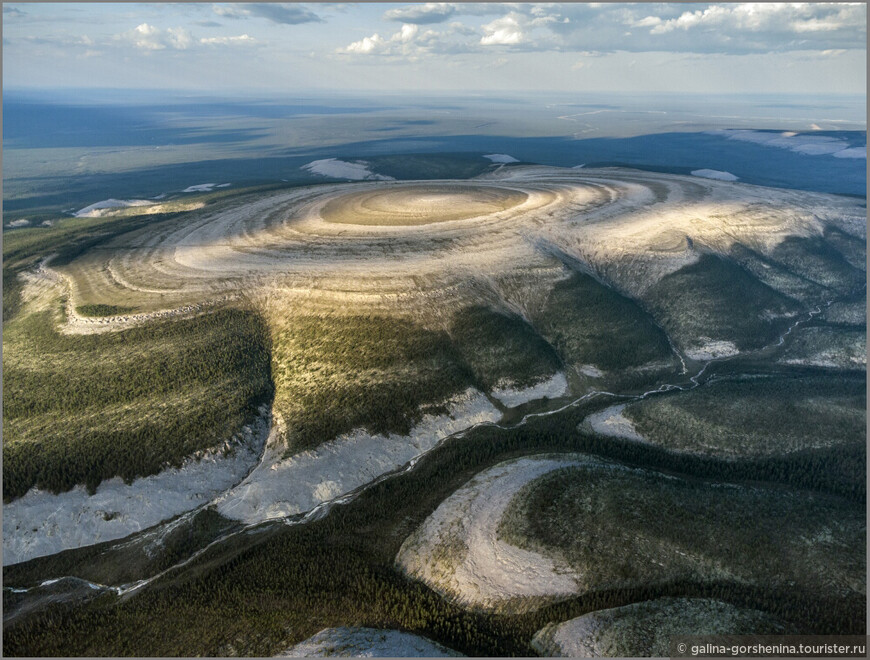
{"x": 410, "y": 205}
{"x": 371, "y": 243}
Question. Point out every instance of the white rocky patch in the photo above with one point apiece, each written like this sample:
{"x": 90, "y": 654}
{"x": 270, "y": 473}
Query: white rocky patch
{"x": 99, "y": 209}
{"x": 553, "y": 387}
{"x": 719, "y": 175}
{"x": 810, "y": 145}
{"x": 613, "y": 423}
{"x": 852, "y": 152}
{"x": 21, "y": 222}
{"x": 204, "y": 187}
{"x": 367, "y": 643}
{"x": 457, "y": 551}
{"x": 590, "y": 370}
{"x": 712, "y": 349}
{"x": 41, "y": 523}
{"x": 501, "y": 158}
{"x": 281, "y": 487}
{"x": 341, "y": 169}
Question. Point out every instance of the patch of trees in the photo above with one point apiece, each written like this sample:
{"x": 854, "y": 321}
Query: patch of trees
{"x": 590, "y": 323}
{"x": 757, "y": 415}
{"x": 335, "y": 374}
{"x": 714, "y": 297}
{"x": 102, "y": 310}
{"x": 80, "y": 409}
{"x": 497, "y": 346}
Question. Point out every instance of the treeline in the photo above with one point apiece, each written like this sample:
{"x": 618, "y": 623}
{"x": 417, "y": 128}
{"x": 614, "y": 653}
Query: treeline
{"x": 102, "y": 310}
{"x": 80, "y": 409}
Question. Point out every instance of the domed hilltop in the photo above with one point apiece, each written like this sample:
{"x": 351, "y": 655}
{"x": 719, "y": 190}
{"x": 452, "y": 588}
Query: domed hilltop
{"x": 524, "y": 394}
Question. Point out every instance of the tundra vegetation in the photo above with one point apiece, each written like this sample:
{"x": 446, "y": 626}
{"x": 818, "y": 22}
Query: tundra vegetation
{"x": 347, "y": 326}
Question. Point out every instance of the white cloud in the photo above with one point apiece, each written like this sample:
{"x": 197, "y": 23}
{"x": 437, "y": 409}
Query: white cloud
{"x": 149, "y": 38}
{"x": 774, "y": 17}
{"x": 649, "y": 21}
{"x": 228, "y": 41}
{"x": 367, "y": 45}
{"x": 407, "y": 33}
{"x": 410, "y": 43}
{"x": 179, "y": 38}
{"x": 440, "y": 12}
{"x": 504, "y": 31}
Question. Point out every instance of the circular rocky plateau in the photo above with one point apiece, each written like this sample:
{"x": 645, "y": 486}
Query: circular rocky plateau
{"x": 420, "y": 204}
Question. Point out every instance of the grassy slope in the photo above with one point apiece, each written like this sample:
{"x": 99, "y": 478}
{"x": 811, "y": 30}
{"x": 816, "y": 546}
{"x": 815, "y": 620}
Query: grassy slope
{"x": 79, "y": 409}
{"x": 756, "y": 416}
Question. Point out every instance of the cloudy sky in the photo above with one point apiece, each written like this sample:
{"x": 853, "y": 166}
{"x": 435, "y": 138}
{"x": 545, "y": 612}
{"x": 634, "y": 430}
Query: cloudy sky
{"x": 814, "y": 48}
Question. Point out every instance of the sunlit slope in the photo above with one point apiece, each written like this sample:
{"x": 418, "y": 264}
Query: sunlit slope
{"x": 393, "y": 245}
{"x": 337, "y": 373}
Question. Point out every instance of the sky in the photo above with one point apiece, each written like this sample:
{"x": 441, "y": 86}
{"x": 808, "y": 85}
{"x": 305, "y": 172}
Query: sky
{"x": 733, "y": 48}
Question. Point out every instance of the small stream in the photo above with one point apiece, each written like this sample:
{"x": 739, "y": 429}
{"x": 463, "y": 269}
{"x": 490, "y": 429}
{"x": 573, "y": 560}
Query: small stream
{"x": 71, "y": 588}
